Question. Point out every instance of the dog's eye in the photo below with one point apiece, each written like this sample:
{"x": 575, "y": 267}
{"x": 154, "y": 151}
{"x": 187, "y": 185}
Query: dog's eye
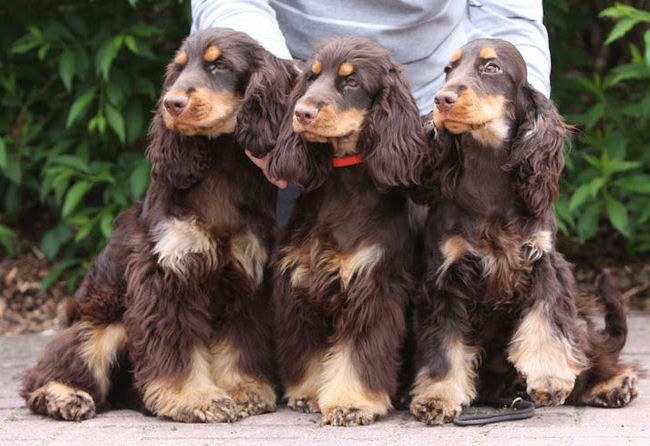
{"x": 448, "y": 69}
{"x": 218, "y": 66}
{"x": 351, "y": 82}
{"x": 491, "y": 68}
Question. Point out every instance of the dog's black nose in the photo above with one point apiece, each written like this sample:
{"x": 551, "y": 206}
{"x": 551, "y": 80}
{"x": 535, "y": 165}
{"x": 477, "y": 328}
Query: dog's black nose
{"x": 305, "y": 114}
{"x": 175, "y": 104}
{"x": 445, "y": 100}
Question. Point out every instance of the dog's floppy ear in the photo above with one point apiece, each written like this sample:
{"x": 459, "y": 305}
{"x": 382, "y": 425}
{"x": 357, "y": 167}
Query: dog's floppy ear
{"x": 265, "y": 103}
{"x": 303, "y": 163}
{"x": 536, "y": 159}
{"x": 446, "y": 163}
{"x": 393, "y": 141}
{"x": 176, "y": 159}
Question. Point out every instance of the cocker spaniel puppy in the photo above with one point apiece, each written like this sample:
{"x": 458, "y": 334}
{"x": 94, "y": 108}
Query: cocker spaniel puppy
{"x": 177, "y": 303}
{"x": 501, "y": 301}
{"x": 343, "y": 271}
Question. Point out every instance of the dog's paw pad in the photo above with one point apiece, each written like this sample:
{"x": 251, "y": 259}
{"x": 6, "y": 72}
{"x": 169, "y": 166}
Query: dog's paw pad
{"x": 347, "y": 416}
{"x": 218, "y": 410}
{"x": 549, "y": 391}
{"x": 435, "y": 411}
{"x": 62, "y": 402}
{"x": 253, "y": 403}
{"x": 617, "y": 391}
{"x": 303, "y": 404}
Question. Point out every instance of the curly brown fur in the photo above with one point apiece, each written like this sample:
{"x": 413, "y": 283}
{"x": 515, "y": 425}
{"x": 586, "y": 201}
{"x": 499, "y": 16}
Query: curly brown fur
{"x": 179, "y": 298}
{"x": 501, "y": 311}
{"x": 343, "y": 271}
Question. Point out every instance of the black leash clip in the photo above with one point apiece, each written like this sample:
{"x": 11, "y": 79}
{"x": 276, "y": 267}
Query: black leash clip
{"x": 517, "y": 409}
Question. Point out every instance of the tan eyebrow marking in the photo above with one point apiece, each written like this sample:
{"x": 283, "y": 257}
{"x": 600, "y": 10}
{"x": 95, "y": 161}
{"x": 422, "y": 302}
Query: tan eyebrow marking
{"x": 212, "y": 53}
{"x": 181, "y": 58}
{"x": 317, "y": 67}
{"x": 346, "y": 69}
{"x": 488, "y": 53}
{"x": 456, "y": 56}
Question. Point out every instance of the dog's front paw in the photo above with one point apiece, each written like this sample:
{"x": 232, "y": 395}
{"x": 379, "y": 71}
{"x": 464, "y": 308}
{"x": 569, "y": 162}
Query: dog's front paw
{"x": 218, "y": 410}
{"x": 617, "y": 391}
{"x": 254, "y": 401}
{"x": 549, "y": 391}
{"x": 347, "y": 416}
{"x": 435, "y": 410}
{"x": 303, "y": 404}
{"x": 62, "y": 402}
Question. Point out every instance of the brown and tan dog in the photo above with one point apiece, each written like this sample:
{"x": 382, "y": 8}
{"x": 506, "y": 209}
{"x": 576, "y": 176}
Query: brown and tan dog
{"x": 344, "y": 270}
{"x": 177, "y": 302}
{"x": 501, "y": 302}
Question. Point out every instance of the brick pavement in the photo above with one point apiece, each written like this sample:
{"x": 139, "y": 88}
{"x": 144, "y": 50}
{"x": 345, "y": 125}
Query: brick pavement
{"x": 570, "y": 426}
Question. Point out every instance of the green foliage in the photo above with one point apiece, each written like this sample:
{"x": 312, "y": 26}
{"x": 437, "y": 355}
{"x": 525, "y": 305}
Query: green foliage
{"x": 607, "y": 180}
{"x": 78, "y": 81}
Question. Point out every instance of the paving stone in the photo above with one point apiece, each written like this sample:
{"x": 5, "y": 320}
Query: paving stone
{"x": 565, "y": 426}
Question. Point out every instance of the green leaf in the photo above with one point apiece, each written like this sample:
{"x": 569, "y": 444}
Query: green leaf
{"x": 72, "y": 161}
{"x": 42, "y": 51}
{"x": 595, "y": 185}
{"x": 614, "y": 166}
{"x": 587, "y": 225}
{"x": 74, "y": 195}
{"x": 85, "y": 227}
{"x": 116, "y": 121}
{"x": 25, "y": 44}
{"x": 139, "y": 179}
{"x": 130, "y": 43}
{"x": 106, "y": 224}
{"x": 621, "y": 27}
{"x": 618, "y": 216}
{"x": 134, "y": 115}
{"x": 114, "y": 93}
{"x": 3, "y": 154}
{"x": 579, "y": 197}
{"x": 634, "y": 183}
{"x": 54, "y": 238}
{"x": 56, "y": 272}
{"x": 144, "y": 30}
{"x": 80, "y": 105}
{"x": 13, "y": 170}
{"x": 7, "y": 238}
{"x": 106, "y": 54}
{"x": 67, "y": 68}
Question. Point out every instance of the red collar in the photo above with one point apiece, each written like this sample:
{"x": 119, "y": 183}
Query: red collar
{"x": 345, "y": 161}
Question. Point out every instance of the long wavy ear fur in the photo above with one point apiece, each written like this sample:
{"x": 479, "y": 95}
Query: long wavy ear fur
{"x": 305, "y": 164}
{"x": 393, "y": 141}
{"x": 446, "y": 163}
{"x": 265, "y": 104}
{"x": 176, "y": 159}
{"x": 536, "y": 158}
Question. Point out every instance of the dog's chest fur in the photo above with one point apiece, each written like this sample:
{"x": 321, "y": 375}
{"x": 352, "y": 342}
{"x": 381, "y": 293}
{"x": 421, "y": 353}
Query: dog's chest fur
{"x": 340, "y": 234}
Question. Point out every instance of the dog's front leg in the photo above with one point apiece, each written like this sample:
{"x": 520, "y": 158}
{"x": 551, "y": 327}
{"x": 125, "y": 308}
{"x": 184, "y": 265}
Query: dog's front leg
{"x": 168, "y": 323}
{"x": 360, "y": 369}
{"x": 300, "y": 335}
{"x": 445, "y": 362}
{"x": 546, "y": 347}
{"x": 241, "y": 353}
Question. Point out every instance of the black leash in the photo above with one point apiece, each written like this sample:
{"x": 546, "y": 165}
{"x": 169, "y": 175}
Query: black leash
{"x": 507, "y": 410}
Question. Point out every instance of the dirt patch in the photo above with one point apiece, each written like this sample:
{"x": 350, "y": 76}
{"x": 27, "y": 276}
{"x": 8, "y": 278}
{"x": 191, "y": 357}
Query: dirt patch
{"x": 24, "y": 307}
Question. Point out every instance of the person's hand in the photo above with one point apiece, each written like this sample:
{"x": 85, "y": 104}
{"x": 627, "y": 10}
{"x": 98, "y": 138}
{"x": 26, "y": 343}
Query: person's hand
{"x": 262, "y": 164}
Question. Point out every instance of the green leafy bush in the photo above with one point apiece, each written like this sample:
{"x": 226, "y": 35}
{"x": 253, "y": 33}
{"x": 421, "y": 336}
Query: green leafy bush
{"x": 78, "y": 81}
{"x": 606, "y": 179}
{"x": 79, "y": 78}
